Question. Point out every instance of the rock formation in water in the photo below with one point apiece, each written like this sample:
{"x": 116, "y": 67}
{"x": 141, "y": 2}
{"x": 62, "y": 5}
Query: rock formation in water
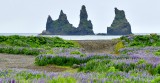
{"x": 85, "y": 26}
{"x": 120, "y": 25}
{"x": 61, "y": 26}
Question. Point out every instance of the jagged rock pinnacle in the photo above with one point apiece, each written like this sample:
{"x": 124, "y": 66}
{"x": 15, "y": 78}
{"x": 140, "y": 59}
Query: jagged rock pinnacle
{"x": 83, "y": 13}
{"x": 49, "y": 23}
{"x": 85, "y": 26}
{"x": 63, "y": 18}
{"x": 119, "y": 14}
{"x": 120, "y": 25}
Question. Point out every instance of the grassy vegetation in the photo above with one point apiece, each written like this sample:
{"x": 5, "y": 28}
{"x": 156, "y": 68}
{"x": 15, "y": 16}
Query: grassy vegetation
{"x": 136, "y": 62}
{"x": 43, "y": 60}
{"x": 32, "y": 45}
{"x": 107, "y": 65}
{"x": 22, "y": 50}
{"x": 141, "y": 40}
{"x": 21, "y": 76}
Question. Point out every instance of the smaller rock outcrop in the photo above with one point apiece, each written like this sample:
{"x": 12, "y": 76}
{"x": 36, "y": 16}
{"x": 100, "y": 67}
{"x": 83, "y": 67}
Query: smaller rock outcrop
{"x": 120, "y": 25}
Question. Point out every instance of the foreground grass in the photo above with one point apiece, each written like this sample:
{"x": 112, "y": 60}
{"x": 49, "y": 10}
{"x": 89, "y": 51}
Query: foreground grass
{"x": 136, "y": 63}
{"x": 30, "y": 76}
{"x": 32, "y": 45}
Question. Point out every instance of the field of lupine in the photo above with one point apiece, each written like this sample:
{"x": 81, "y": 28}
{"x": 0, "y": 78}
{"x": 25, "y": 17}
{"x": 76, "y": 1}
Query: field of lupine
{"x": 136, "y": 60}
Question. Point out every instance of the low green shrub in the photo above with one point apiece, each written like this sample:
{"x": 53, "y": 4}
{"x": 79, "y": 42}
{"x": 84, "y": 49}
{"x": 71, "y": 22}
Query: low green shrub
{"x": 157, "y": 53}
{"x": 156, "y": 80}
{"x": 26, "y": 75}
{"x": 28, "y": 44}
{"x": 83, "y": 55}
{"x": 21, "y": 50}
{"x": 95, "y": 65}
{"x": 141, "y": 40}
{"x": 125, "y": 67}
{"x": 107, "y": 65}
{"x": 78, "y": 53}
{"x": 157, "y": 69}
{"x": 141, "y": 61}
{"x": 63, "y": 80}
{"x": 43, "y": 60}
{"x": 36, "y": 41}
{"x": 57, "y": 60}
{"x": 75, "y": 52}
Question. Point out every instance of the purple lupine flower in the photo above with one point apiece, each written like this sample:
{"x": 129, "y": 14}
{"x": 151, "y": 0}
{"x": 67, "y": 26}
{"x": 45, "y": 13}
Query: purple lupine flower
{"x": 13, "y": 81}
{"x": 53, "y": 75}
{"x": 41, "y": 81}
{"x": 1, "y": 80}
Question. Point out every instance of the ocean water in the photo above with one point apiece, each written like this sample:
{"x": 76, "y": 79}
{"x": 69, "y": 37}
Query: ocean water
{"x": 75, "y": 37}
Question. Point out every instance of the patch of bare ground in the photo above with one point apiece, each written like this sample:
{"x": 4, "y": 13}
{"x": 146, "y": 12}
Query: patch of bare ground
{"x": 8, "y": 61}
{"x": 98, "y": 46}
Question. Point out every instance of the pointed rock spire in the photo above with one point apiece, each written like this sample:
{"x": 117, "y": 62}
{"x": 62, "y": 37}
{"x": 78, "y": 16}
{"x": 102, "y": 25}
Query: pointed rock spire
{"x": 63, "y": 18}
{"x": 120, "y": 25}
{"x": 83, "y": 13}
{"x": 49, "y": 19}
{"x": 119, "y": 14}
{"x": 85, "y": 26}
{"x": 49, "y": 23}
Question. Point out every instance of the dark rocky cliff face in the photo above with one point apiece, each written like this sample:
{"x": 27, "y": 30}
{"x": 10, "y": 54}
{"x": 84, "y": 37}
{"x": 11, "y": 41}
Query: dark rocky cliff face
{"x": 120, "y": 25}
{"x": 61, "y": 26}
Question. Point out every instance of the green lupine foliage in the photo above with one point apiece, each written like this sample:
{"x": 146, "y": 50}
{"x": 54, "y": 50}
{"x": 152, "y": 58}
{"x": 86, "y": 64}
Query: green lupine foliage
{"x": 43, "y": 60}
{"x": 32, "y": 45}
{"x": 156, "y": 80}
{"x": 36, "y": 41}
{"x": 157, "y": 53}
{"x": 26, "y": 75}
{"x": 96, "y": 65}
{"x": 21, "y": 50}
{"x": 107, "y": 65}
{"x": 141, "y": 40}
{"x": 63, "y": 80}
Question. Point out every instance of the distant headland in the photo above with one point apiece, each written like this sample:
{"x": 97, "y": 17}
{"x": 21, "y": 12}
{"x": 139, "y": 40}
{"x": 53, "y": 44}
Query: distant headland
{"x": 61, "y": 26}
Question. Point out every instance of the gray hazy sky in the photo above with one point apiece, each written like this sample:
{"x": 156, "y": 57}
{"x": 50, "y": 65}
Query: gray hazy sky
{"x": 29, "y": 16}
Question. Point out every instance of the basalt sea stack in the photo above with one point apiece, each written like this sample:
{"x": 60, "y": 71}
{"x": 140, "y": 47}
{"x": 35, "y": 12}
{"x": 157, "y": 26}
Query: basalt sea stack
{"x": 85, "y": 26}
{"x": 61, "y": 26}
{"x": 120, "y": 25}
